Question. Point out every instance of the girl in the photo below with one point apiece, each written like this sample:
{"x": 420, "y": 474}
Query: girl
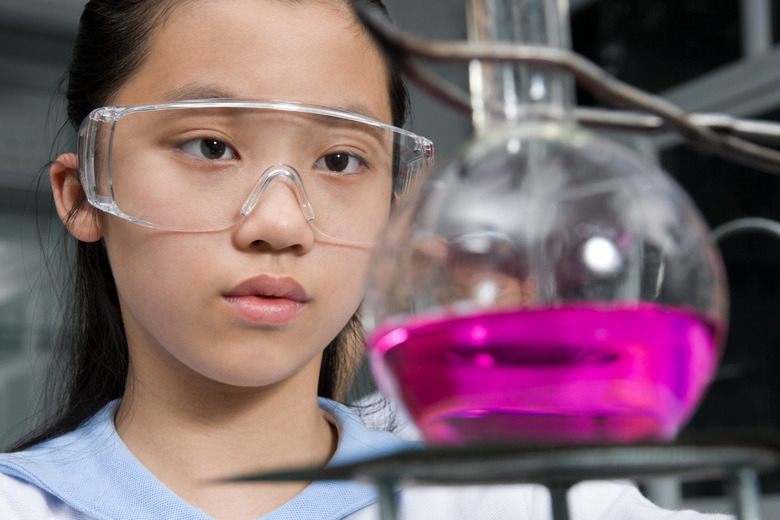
{"x": 220, "y": 243}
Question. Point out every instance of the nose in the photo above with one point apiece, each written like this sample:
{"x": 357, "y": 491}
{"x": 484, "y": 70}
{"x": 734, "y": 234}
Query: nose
{"x": 277, "y": 171}
{"x": 277, "y": 213}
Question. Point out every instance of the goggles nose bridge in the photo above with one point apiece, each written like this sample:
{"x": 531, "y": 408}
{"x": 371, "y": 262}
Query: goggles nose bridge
{"x": 271, "y": 173}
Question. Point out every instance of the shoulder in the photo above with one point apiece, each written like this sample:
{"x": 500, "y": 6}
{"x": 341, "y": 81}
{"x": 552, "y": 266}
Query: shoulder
{"x": 21, "y": 500}
{"x": 357, "y": 440}
{"x": 57, "y": 478}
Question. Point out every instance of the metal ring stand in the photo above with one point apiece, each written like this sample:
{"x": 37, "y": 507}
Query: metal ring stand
{"x": 556, "y": 468}
{"x": 559, "y": 469}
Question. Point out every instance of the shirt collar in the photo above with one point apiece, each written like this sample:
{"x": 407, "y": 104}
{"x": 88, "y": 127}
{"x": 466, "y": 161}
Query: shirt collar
{"x": 92, "y": 470}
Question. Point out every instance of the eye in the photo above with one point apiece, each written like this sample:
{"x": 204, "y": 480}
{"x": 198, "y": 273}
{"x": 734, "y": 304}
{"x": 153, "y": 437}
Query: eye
{"x": 340, "y": 162}
{"x": 209, "y": 149}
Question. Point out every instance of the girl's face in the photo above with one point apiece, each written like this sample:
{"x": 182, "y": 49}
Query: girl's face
{"x": 255, "y": 304}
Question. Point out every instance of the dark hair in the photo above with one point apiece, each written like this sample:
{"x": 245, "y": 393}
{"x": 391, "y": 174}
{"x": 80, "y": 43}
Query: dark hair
{"x": 91, "y": 356}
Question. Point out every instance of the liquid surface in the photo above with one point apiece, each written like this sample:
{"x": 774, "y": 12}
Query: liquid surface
{"x": 578, "y": 374}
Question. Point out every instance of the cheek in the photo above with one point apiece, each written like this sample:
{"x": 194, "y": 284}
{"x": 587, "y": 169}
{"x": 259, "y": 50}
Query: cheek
{"x": 343, "y": 287}
{"x": 153, "y": 269}
{"x": 344, "y": 272}
{"x": 380, "y": 209}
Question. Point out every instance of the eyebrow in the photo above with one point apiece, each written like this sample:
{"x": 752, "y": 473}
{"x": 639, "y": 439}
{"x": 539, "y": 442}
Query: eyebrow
{"x": 196, "y": 91}
{"x": 205, "y": 91}
{"x": 356, "y": 107}
{"x": 377, "y": 133}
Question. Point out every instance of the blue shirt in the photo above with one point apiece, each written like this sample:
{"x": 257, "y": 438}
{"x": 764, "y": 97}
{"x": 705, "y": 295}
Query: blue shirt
{"x": 92, "y": 471}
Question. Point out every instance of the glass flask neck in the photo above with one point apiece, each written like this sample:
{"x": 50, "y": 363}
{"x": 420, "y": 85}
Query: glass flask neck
{"x": 503, "y": 95}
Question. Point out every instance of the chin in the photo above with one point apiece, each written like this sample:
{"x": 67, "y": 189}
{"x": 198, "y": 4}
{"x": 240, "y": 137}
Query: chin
{"x": 259, "y": 375}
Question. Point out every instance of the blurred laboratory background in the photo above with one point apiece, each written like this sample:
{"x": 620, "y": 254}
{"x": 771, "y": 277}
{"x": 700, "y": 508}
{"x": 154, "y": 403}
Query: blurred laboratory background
{"x": 716, "y": 56}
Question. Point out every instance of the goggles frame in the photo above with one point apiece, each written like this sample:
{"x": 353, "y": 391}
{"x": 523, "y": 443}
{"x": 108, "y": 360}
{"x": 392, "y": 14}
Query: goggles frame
{"x": 403, "y": 179}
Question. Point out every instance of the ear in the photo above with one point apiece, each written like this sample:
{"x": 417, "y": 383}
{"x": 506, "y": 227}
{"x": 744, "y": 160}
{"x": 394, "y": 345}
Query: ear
{"x": 69, "y": 198}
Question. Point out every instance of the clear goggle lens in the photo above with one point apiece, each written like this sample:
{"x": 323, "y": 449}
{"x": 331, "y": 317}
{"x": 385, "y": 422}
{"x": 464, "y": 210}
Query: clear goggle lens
{"x": 198, "y": 166}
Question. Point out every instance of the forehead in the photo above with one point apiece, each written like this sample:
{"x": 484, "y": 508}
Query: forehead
{"x": 310, "y": 51}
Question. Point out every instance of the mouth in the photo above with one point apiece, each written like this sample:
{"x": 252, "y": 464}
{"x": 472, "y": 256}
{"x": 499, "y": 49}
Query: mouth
{"x": 267, "y": 300}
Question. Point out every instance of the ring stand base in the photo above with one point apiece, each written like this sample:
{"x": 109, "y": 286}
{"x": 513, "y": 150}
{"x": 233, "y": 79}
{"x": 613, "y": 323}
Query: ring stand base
{"x": 559, "y": 468}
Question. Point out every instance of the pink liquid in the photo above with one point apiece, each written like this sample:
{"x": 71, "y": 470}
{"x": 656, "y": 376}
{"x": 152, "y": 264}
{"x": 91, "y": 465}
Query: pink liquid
{"x": 575, "y": 374}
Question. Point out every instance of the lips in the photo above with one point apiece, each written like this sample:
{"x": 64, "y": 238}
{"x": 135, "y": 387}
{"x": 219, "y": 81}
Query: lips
{"x": 267, "y": 300}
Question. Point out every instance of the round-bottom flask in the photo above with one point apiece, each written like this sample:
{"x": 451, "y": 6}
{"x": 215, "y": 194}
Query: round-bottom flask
{"x": 546, "y": 286}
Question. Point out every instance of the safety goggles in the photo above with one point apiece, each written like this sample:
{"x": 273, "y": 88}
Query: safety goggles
{"x": 200, "y": 166}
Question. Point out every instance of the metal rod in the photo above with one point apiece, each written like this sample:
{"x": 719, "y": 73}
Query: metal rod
{"x": 718, "y": 140}
{"x": 665, "y": 492}
{"x": 756, "y": 27}
{"x": 559, "y": 500}
{"x": 388, "y": 506}
{"x": 745, "y": 493}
